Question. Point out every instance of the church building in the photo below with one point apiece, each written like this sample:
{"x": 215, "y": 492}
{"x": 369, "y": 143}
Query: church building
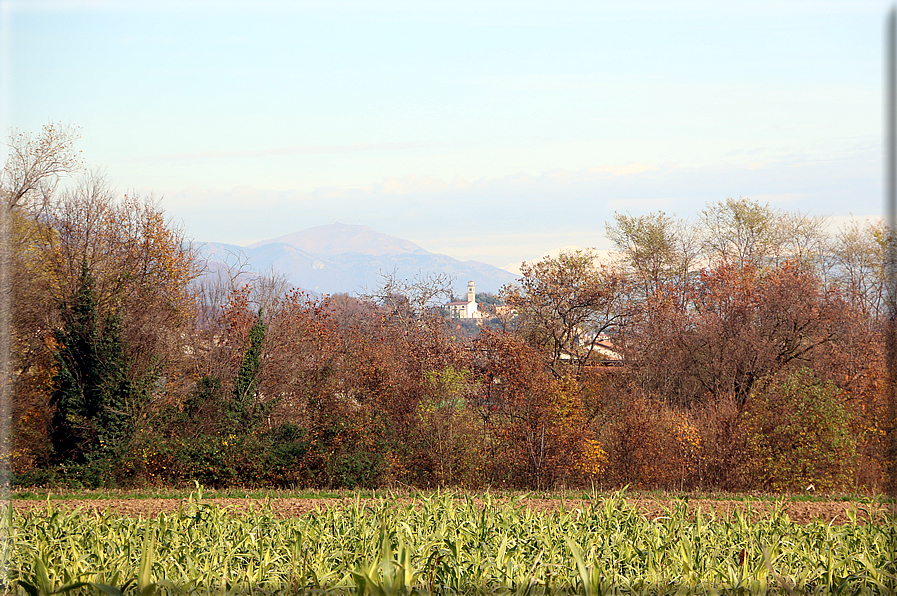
{"x": 465, "y": 309}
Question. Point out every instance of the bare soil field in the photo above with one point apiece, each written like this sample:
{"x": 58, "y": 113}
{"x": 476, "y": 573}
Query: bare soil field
{"x": 799, "y": 512}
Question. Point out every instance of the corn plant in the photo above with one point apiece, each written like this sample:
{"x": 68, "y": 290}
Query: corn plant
{"x": 443, "y": 544}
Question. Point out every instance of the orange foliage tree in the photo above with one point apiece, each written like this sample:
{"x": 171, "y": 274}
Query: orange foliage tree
{"x": 536, "y": 426}
{"x": 565, "y": 304}
{"x": 730, "y": 328}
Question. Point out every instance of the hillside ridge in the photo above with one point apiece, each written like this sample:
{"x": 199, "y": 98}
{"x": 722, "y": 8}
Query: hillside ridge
{"x": 348, "y": 258}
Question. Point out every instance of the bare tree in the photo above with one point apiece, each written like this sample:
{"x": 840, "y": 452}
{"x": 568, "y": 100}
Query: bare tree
{"x": 411, "y": 299}
{"x": 858, "y": 266}
{"x": 743, "y": 232}
{"x": 35, "y": 165}
{"x": 217, "y": 281}
{"x": 269, "y": 288}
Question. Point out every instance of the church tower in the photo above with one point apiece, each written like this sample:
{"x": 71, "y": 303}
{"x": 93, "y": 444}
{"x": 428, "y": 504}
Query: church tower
{"x": 471, "y": 294}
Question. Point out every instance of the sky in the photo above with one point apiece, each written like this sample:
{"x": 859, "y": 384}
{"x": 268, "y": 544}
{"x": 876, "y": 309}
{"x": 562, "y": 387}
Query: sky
{"x": 489, "y": 130}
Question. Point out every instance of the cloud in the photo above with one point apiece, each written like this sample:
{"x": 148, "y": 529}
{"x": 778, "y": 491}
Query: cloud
{"x": 550, "y": 179}
{"x": 277, "y": 151}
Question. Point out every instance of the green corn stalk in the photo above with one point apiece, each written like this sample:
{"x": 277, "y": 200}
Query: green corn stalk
{"x": 442, "y": 545}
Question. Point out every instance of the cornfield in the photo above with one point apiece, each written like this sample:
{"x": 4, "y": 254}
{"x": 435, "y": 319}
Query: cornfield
{"x": 443, "y": 544}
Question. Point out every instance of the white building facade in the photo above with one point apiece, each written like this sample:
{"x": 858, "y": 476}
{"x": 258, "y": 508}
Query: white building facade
{"x": 465, "y": 309}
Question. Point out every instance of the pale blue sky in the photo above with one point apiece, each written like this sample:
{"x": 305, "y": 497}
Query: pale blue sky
{"x": 487, "y": 130}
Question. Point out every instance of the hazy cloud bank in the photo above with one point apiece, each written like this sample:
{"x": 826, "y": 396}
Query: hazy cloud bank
{"x": 515, "y": 218}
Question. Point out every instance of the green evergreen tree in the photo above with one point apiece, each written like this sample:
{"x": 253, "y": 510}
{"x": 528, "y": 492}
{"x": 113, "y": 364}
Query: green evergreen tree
{"x": 245, "y": 411}
{"x": 92, "y": 388}
{"x": 118, "y": 395}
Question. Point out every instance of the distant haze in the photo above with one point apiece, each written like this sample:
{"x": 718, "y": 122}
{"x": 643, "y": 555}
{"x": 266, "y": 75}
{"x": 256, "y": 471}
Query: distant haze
{"x": 602, "y": 256}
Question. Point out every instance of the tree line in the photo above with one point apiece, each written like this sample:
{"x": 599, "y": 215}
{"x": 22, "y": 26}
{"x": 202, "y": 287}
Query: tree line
{"x": 748, "y": 343}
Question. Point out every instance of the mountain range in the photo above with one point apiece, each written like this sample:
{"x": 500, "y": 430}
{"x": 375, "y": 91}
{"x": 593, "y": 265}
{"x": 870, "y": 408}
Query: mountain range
{"x": 346, "y": 258}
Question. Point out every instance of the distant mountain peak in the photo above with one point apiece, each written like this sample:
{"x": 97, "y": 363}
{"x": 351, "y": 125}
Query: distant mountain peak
{"x": 349, "y": 258}
{"x": 339, "y": 239}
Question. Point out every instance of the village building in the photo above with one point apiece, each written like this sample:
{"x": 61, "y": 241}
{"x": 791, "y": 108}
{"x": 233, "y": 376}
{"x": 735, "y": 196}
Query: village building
{"x": 593, "y": 350}
{"x": 465, "y": 309}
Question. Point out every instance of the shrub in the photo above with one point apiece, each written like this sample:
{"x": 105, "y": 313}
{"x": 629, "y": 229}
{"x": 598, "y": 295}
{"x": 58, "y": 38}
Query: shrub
{"x": 651, "y": 445}
{"x": 796, "y": 431}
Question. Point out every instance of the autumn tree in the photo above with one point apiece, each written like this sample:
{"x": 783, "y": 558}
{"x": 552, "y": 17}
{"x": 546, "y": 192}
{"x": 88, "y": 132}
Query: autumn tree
{"x": 565, "y": 304}
{"x": 142, "y": 265}
{"x": 28, "y": 180}
{"x": 656, "y": 247}
{"x": 130, "y": 246}
{"x": 730, "y": 328}
{"x": 331, "y": 384}
{"x": 228, "y": 361}
{"x": 140, "y": 268}
{"x": 535, "y": 420}
{"x": 744, "y": 232}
